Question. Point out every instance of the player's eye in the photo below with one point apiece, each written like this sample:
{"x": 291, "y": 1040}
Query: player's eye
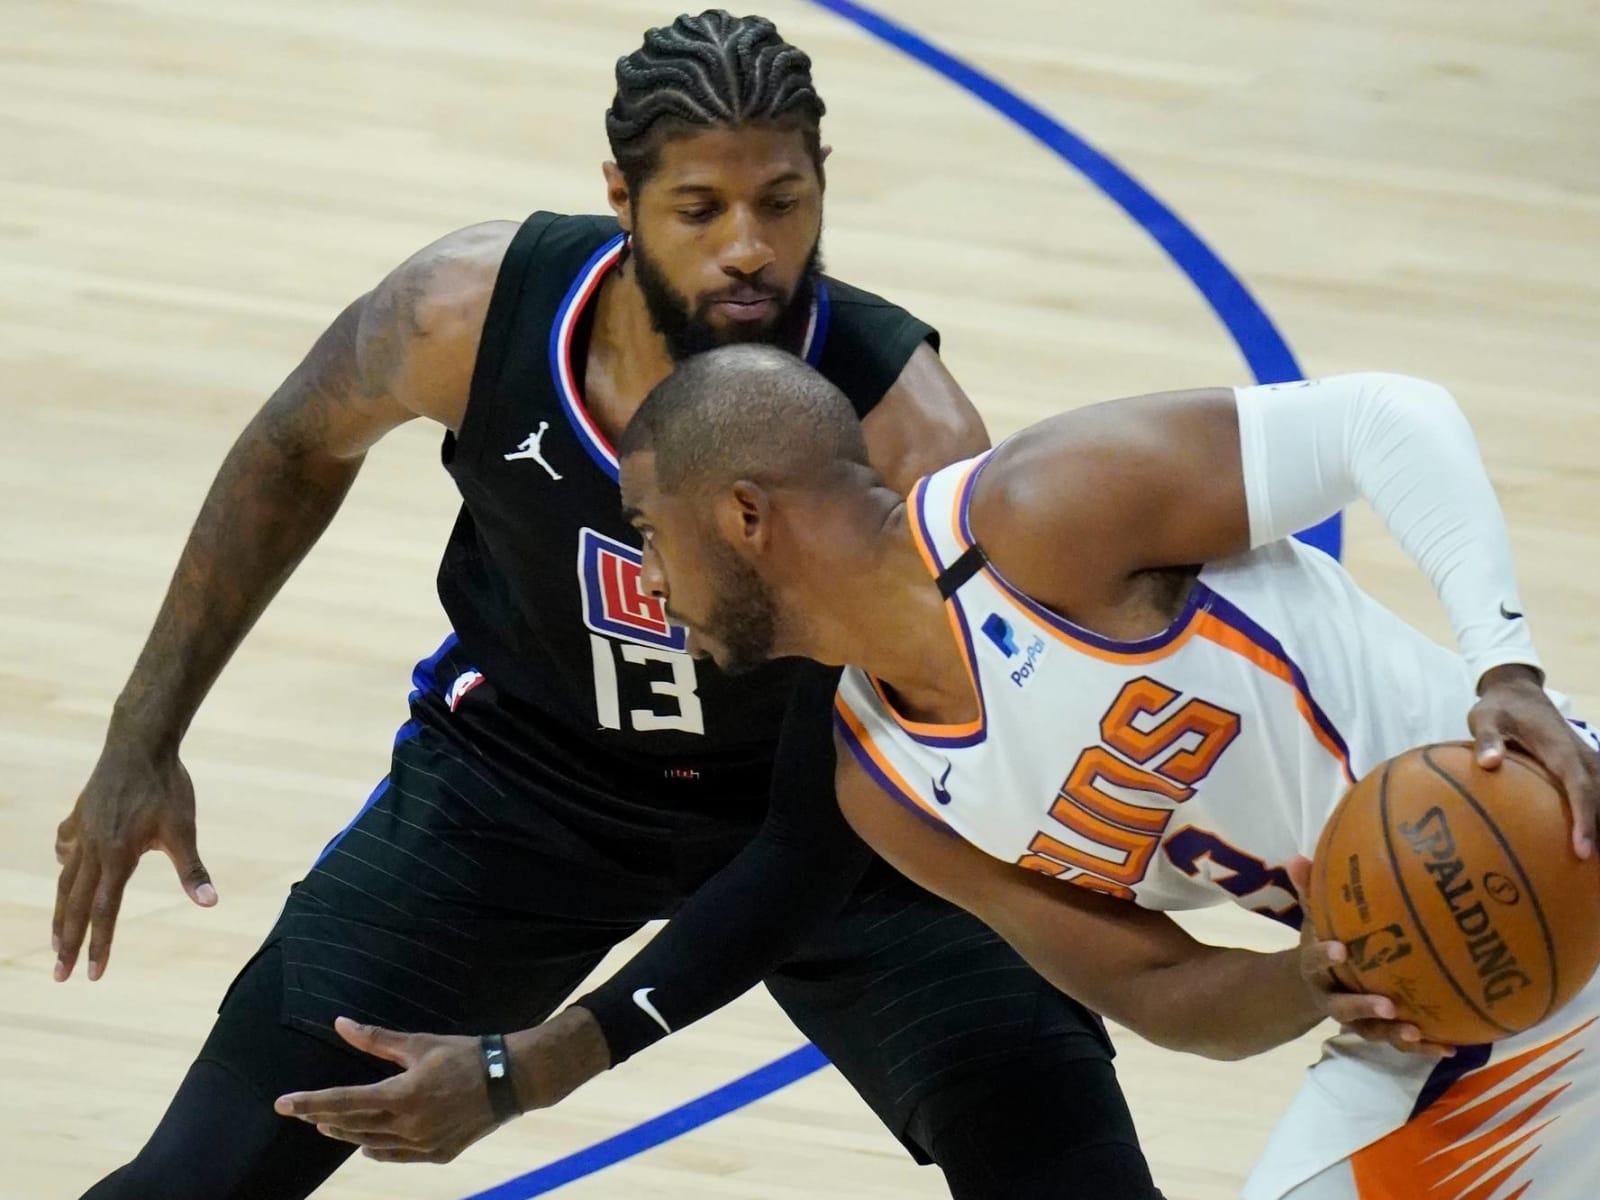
{"x": 782, "y": 204}
{"x": 699, "y": 214}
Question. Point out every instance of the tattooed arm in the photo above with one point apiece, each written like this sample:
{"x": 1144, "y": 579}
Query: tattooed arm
{"x": 405, "y": 349}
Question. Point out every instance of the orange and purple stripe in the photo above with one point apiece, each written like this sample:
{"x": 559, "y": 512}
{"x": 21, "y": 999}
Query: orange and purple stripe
{"x": 967, "y": 733}
{"x": 876, "y": 764}
{"x": 1222, "y": 622}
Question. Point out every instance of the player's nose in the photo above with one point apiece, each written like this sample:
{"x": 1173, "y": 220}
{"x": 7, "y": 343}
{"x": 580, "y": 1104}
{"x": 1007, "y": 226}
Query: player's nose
{"x": 652, "y": 579}
{"x": 747, "y": 251}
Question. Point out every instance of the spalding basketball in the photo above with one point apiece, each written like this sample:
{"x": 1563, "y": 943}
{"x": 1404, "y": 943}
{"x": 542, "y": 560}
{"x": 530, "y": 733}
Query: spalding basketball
{"x": 1458, "y": 893}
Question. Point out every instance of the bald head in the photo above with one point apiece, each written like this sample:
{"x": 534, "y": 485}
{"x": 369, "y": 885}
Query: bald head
{"x": 745, "y": 412}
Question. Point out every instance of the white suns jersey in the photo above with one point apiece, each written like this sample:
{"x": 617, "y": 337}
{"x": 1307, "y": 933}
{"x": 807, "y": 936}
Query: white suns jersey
{"x": 1185, "y": 769}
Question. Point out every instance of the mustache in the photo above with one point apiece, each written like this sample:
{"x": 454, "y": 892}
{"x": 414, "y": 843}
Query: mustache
{"x": 744, "y": 292}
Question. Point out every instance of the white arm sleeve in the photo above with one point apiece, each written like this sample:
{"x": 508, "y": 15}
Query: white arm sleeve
{"x": 1404, "y": 445}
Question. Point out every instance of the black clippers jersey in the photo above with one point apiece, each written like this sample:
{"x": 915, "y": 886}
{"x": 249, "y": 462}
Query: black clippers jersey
{"x": 541, "y": 574}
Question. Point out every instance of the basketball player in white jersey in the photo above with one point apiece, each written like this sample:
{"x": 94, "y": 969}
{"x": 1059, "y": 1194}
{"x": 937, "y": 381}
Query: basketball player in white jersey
{"x": 1039, "y": 668}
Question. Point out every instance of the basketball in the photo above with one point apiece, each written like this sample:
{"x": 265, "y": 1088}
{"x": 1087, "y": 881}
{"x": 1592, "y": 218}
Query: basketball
{"x": 1458, "y": 894}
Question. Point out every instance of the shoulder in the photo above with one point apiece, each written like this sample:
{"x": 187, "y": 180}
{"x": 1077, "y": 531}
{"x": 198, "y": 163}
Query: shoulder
{"x": 866, "y": 342}
{"x": 445, "y": 284}
{"x": 886, "y": 361}
{"x": 418, "y": 334}
{"x": 1028, "y": 511}
{"x": 1073, "y": 509}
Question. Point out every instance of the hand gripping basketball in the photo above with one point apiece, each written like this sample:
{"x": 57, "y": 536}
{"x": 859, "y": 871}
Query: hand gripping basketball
{"x": 1372, "y": 1017}
{"x": 1513, "y": 707}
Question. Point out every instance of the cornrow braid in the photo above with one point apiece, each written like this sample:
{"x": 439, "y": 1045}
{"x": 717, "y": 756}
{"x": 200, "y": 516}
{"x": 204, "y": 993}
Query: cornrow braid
{"x": 705, "y": 71}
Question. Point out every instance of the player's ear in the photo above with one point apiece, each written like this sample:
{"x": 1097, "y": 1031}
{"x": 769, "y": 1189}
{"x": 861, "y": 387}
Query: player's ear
{"x": 618, "y": 196}
{"x": 744, "y": 517}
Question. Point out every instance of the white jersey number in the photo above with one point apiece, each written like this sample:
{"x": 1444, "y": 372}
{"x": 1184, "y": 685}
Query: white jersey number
{"x": 677, "y": 689}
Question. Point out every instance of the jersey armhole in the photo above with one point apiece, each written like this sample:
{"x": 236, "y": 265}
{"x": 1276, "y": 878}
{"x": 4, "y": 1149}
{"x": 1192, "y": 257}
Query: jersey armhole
{"x": 853, "y": 733}
{"x": 869, "y": 343}
{"x": 504, "y": 302}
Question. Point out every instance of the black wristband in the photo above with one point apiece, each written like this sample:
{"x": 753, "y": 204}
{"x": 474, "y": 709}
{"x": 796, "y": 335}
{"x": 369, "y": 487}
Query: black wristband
{"x": 497, "y": 1074}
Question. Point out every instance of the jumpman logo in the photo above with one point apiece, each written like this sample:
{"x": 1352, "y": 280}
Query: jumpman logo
{"x": 529, "y": 448}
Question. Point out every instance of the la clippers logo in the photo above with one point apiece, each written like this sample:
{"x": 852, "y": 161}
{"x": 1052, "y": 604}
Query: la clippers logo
{"x": 463, "y": 684}
{"x": 613, "y": 602}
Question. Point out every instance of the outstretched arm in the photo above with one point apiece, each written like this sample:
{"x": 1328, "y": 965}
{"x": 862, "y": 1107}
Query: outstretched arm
{"x": 403, "y": 350}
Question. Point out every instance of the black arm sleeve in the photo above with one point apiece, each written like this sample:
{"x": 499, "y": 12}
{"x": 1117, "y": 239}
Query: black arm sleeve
{"x": 793, "y": 876}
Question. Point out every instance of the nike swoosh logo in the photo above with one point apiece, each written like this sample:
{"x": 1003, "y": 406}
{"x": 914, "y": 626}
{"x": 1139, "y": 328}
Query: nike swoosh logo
{"x": 642, "y": 998}
{"x": 939, "y": 794}
{"x": 1510, "y": 616}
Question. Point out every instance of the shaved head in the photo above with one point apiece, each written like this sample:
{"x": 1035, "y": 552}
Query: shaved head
{"x": 728, "y": 468}
{"x": 745, "y": 412}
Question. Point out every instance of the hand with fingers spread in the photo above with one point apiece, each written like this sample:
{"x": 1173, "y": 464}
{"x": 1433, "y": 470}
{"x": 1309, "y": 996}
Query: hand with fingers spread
{"x": 134, "y": 801}
{"x": 1513, "y": 707}
{"x": 439, "y": 1104}
{"x": 1373, "y": 1017}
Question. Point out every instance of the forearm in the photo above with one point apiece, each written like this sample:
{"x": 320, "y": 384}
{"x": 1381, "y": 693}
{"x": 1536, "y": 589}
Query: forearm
{"x": 552, "y": 1060}
{"x": 269, "y": 503}
{"x": 1214, "y": 1001}
{"x": 1228, "y": 1003}
{"x": 790, "y": 879}
{"x": 733, "y": 933}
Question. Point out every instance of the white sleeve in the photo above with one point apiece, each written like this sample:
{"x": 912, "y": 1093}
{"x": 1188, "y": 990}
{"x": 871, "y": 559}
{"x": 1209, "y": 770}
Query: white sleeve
{"x": 1308, "y": 449}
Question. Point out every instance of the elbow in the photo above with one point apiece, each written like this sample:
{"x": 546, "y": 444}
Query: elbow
{"x": 1410, "y": 394}
{"x": 1223, "y": 1052}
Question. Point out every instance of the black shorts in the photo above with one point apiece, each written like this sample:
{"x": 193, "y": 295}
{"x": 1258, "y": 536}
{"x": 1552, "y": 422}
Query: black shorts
{"x": 495, "y": 867}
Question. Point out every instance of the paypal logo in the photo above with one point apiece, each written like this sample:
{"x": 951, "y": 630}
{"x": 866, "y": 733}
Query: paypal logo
{"x": 999, "y": 631}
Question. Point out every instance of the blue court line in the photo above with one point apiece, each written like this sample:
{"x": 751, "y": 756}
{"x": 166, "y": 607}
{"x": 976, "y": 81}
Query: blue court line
{"x": 1269, "y": 359}
{"x": 747, "y": 1089}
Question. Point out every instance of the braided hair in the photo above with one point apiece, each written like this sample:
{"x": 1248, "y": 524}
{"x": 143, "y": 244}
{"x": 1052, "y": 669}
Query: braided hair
{"x": 700, "y": 72}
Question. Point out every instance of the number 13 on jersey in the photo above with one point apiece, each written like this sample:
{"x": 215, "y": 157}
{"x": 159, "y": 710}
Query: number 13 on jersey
{"x": 623, "y": 619}
{"x": 678, "y": 688}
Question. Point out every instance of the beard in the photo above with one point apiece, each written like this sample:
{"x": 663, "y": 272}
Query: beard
{"x": 744, "y": 616}
{"x": 686, "y": 326}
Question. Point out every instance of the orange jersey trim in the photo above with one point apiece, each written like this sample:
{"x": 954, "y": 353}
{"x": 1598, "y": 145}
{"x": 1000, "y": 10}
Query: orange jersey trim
{"x": 928, "y": 729}
{"x": 1229, "y": 638}
{"x": 877, "y": 763}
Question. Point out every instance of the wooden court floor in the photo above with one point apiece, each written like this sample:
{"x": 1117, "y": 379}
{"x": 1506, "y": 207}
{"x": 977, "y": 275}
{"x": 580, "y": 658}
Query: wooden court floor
{"x": 189, "y": 190}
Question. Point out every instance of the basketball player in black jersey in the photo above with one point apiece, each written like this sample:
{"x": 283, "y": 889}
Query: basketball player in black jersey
{"x": 569, "y": 772}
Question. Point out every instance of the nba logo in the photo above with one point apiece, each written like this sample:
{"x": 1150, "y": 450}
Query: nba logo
{"x": 998, "y": 630}
{"x": 613, "y": 602}
{"x": 463, "y": 684}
